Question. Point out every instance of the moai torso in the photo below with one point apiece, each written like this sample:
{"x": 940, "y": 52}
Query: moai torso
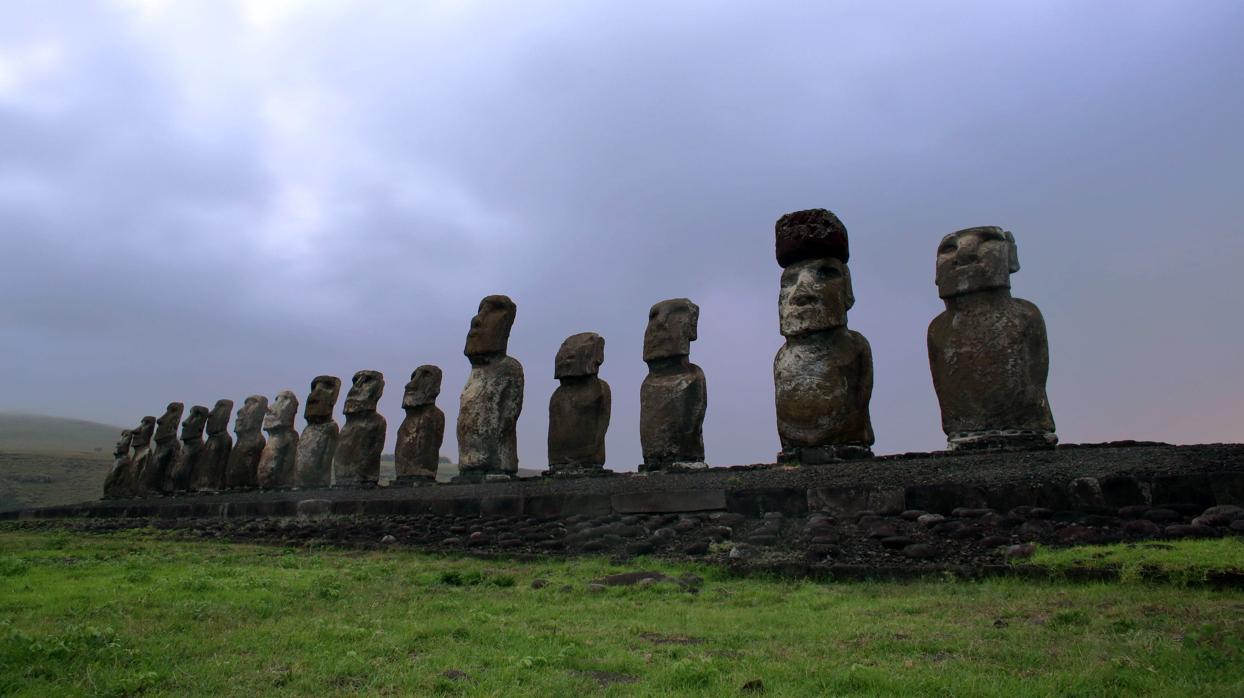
{"x": 988, "y": 351}
{"x": 579, "y": 409}
{"x": 140, "y": 460}
{"x": 209, "y": 469}
{"x": 318, "y": 442}
{"x": 356, "y": 462}
{"x": 120, "y": 480}
{"x": 418, "y": 451}
{"x": 242, "y": 471}
{"x": 167, "y": 449}
{"x": 277, "y": 462}
{"x": 492, "y": 400}
{"x": 674, "y": 396}
{"x": 180, "y": 475}
{"x": 823, "y": 374}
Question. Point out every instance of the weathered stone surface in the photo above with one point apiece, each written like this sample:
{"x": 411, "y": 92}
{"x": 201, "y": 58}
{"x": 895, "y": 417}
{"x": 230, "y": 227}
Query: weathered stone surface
{"x": 120, "y": 480}
{"x": 674, "y": 395}
{"x": 843, "y": 501}
{"x": 140, "y": 459}
{"x": 579, "y": 409}
{"x": 813, "y": 234}
{"x": 357, "y": 460}
{"x": 318, "y": 442}
{"x": 988, "y": 351}
{"x": 167, "y": 449}
{"x": 823, "y": 374}
{"x": 492, "y": 400}
{"x": 209, "y": 469}
{"x": 277, "y": 463}
{"x": 675, "y": 501}
{"x": 242, "y": 470}
{"x": 180, "y": 475}
{"x": 419, "y": 438}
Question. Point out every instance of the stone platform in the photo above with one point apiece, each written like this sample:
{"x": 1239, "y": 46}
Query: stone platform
{"x": 889, "y": 516}
{"x": 1095, "y": 478}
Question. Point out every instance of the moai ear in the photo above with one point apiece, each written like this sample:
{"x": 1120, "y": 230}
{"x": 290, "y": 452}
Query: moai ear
{"x": 1014, "y": 251}
{"x": 695, "y": 320}
{"x": 846, "y": 278}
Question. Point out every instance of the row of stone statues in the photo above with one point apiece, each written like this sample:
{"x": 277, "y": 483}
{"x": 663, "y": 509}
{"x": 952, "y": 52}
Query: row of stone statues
{"x": 988, "y": 355}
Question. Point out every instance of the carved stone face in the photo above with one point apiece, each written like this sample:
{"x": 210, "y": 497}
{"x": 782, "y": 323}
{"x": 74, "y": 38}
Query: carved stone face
{"x": 251, "y": 414}
{"x": 424, "y": 386}
{"x": 218, "y": 420}
{"x": 816, "y": 295}
{"x": 490, "y": 328}
{"x": 671, "y": 329}
{"x": 975, "y": 259}
{"x": 192, "y": 428}
{"x": 322, "y": 399}
{"x": 141, "y": 436}
{"x": 365, "y": 392}
{"x": 281, "y": 412}
{"x": 580, "y": 355}
{"x": 122, "y": 449}
{"x": 166, "y": 425}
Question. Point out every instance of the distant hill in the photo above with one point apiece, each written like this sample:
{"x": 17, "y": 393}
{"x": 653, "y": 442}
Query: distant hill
{"x": 28, "y": 433}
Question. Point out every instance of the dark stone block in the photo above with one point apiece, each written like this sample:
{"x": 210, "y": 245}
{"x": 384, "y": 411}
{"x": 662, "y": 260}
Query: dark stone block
{"x": 791, "y": 501}
{"x": 1228, "y": 487}
{"x": 843, "y": 501}
{"x": 1120, "y": 491}
{"x": 1193, "y": 489}
{"x": 556, "y": 505}
{"x": 462, "y": 506}
{"x": 501, "y": 506}
{"x": 944, "y": 498}
{"x": 668, "y": 501}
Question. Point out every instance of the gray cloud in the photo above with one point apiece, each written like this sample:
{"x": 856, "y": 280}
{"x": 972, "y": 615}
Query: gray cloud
{"x": 211, "y": 200}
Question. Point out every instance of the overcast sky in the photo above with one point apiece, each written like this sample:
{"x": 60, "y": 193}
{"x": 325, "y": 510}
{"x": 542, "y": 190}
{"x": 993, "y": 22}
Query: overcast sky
{"x": 207, "y": 200}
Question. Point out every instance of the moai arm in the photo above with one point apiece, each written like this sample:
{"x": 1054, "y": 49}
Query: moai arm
{"x": 1038, "y": 343}
{"x": 866, "y": 380}
{"x": 606, "y": 410}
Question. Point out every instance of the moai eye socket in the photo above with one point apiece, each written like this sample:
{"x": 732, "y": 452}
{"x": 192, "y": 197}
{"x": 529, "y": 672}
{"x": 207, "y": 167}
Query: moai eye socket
{"x": 947, "y": 247}
{"x": 829, "y": 272}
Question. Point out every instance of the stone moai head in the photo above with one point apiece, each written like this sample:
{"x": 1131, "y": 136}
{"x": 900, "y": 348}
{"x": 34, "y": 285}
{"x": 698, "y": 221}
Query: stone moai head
{"x": 671, "y": 329}
{"x": 282, "y": 412}
{"x": 166, "y": 425}
{"x": 580, "y": 355}
{"x": 251, "y": 414}
{"x": 322, "y": 399}
{"x": 218, "y": 420}
{"x": 192, "y": 428}
{"x": 365, "y": 392}
{"x": 423, "y": 388}
{"x": 141, "y": 436}
{"x": 490, "y": 328}
{"x": 122, "y": 449}
{"x": 976, "y": 259}
{"x": 812, "y": 248}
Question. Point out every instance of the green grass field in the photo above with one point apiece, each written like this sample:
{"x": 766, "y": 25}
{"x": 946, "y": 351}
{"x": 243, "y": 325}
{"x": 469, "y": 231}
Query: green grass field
{"x": 144, "y": 613}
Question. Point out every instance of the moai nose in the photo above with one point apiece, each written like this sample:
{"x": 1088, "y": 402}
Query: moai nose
{"x": 968, "y": 252}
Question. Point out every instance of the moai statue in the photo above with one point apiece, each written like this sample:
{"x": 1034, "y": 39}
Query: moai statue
{"x": 277, "y": 462}
{"x": 209, "y": 470}
{"x": 120, "y": 480}
{"x": 180, "y": 475}
{"x": 674, "y": 395}
{"x": 242, "y": 471}
{"x": 579, "y": 408}
{"x": 357, "y": 460}
{"x": 140, "y": 460}
{"x": 988, "y": 351}
{"x": 492, "y": 399}
{"x": 167, "y": 450}
{"x": 418, "y": 450}
{"x": 823, "y": 374}
{"x": 318, "y": 443}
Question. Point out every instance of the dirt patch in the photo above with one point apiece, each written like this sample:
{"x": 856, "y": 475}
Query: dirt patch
{"x": 662, "y": 639}
{"x": 607, "y": 678}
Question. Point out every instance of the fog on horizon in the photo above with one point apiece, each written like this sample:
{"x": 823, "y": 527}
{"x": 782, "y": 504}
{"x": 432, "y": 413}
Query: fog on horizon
{"x": 204, "y": 200}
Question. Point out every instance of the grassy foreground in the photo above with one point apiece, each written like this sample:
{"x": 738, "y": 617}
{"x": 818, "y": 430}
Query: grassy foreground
{"x": 140, "y": 613}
